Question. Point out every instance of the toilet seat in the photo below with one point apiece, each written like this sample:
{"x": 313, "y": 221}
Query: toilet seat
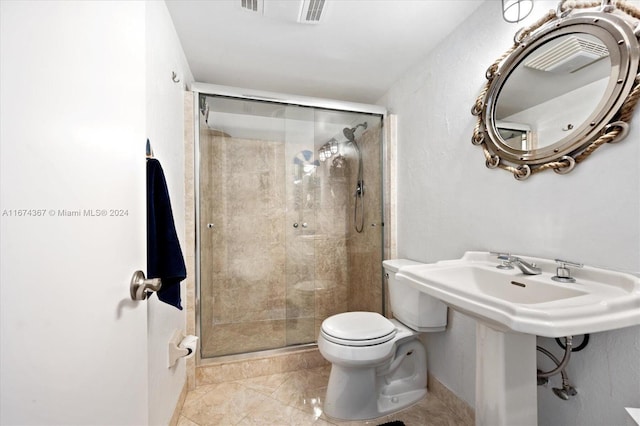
{"x": 358, "y": 329}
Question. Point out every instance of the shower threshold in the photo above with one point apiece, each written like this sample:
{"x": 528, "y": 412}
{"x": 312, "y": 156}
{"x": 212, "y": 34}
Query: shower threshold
{"x": 268, "y": 353}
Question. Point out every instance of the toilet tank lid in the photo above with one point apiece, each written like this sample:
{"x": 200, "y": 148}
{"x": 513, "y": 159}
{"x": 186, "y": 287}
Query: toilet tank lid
{"x": 393, "y": 265}
{"x": 358, "y": 326}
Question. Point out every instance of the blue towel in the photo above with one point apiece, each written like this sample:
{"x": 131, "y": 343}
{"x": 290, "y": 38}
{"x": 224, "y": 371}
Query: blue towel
{"x": 164, "y": 256}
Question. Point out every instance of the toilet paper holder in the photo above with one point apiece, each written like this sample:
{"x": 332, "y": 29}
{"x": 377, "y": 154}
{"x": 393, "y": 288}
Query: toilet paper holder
{"x": 181, "y": 346}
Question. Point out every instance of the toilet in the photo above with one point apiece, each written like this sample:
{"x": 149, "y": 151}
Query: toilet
{"x": 379, "y": 366}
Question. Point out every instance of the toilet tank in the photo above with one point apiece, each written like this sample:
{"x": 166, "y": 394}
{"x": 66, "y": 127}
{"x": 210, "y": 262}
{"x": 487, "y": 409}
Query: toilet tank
{"x": 414, "y": 309}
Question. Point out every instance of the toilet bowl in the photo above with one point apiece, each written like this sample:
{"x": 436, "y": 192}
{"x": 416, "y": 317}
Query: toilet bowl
{"x": 379, "y": 366}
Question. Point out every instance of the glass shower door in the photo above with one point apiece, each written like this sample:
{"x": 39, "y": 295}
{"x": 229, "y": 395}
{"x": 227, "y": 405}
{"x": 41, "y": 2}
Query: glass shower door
{"x": 256, "y": 201}
{"x": 242, "y": 223}
{"x": 278, "y": 252}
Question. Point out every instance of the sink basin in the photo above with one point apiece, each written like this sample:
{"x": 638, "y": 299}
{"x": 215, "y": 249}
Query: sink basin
{"x": 509, "y": 300}
{"x": 509, "y": 287}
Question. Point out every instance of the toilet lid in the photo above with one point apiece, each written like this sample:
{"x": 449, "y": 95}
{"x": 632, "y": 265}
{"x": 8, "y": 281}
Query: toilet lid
{"x": 358, "y": 329}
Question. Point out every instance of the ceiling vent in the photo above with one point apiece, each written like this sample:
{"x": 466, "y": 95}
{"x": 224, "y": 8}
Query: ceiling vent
{"x": 570, "y": 55}
{"x": 311, "y": 11}
{"x": 252, "y": 5}
{"x": 301, "y": 11}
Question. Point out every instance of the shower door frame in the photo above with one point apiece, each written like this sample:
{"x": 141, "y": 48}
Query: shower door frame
{"x": 292, "y": 100}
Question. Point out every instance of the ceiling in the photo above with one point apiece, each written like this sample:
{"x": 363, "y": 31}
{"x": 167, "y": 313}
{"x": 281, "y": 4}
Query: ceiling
{"x": 355, "y": 53}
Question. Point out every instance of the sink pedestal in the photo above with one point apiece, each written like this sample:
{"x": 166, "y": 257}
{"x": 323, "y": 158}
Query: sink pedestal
{"x": 506, "y": 382}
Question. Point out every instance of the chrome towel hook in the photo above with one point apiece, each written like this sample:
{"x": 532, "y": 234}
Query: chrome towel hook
{"x": 140, "y": 285}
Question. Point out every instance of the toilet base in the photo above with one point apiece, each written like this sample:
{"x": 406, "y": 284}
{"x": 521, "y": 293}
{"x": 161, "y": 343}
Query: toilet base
{"x": 362, "y": 393}
{"x": 391, "y": 404}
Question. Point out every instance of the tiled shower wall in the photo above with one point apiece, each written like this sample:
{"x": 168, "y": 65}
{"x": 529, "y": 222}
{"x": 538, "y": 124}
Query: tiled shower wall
{"x": 364, "y": 249}
{"x": 265, "y": 283}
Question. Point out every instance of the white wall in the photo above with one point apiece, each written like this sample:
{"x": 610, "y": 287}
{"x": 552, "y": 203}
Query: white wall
{"x": 83, "y": 85}
{"x": 165, "y": 129}
{"x": 449, "y": 202}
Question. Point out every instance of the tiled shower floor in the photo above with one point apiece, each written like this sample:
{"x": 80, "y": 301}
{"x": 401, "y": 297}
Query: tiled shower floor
{"x": 293, "y": 398}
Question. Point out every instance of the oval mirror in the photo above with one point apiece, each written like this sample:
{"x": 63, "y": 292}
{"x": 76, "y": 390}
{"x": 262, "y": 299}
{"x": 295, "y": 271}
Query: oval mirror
{"x": 559, "y": 91}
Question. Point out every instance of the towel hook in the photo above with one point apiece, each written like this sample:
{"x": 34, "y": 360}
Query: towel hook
{"x": 140, "y": 285}
{"x": 149, "y": 150}
{"x": 174, "y": 77}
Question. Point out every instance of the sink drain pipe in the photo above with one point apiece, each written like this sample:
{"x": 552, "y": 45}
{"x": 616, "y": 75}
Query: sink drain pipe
{"x": 567, "y": 390}
{"x": 581, "y": 346}
{"x": 559, "y": 365}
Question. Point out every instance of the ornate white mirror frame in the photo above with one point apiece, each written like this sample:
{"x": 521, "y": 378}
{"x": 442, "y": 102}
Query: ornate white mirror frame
{"x": 615, "y": 30}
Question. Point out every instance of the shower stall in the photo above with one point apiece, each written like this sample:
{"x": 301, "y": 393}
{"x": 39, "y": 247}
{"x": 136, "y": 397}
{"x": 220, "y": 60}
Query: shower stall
{"x": 289, "y": 217}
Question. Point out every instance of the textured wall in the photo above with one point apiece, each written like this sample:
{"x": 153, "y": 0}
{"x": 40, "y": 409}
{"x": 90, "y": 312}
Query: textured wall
{"x": 449, "y": 202}
{"x": 165, "y": 127}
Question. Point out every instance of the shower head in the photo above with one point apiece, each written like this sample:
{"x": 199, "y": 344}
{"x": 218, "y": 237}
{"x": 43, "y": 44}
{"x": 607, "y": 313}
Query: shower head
{"x": 350, "y": 133}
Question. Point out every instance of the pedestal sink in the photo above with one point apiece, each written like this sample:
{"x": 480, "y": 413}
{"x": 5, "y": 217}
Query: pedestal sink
{"x": 511, "y": 309}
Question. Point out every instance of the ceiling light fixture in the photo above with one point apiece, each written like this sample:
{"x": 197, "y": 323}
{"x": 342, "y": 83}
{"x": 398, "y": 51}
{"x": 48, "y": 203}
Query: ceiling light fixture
{"x": 516, "y": 10}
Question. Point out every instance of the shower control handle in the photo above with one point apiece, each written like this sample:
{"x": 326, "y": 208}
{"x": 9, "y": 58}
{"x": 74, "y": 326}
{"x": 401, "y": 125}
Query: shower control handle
{"x": 304, "y": 224}
{"x": 295, "y": 225}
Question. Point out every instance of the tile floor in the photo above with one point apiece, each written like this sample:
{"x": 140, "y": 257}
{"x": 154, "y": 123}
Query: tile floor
{"x": 293, "y": 398}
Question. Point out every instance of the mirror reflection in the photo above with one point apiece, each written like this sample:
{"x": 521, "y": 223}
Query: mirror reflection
{"x": 552, "y": 91}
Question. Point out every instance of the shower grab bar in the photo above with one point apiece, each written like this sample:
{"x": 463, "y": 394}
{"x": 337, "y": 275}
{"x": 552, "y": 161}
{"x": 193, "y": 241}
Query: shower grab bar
{"x": 140, "y": 285}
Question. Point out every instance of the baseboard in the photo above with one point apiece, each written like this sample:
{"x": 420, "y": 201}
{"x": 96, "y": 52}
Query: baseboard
{"x": 451, "y": 400}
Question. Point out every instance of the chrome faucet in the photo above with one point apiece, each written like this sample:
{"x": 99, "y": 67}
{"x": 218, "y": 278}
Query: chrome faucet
{"x": 525, "y": 267}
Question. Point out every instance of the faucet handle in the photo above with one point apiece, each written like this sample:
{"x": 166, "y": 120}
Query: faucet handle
{"x": 506, "y": 259}
{"x": 502, "y": 256}
{"x": 566, "y": 263}
{"x": 563, "y": 273}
